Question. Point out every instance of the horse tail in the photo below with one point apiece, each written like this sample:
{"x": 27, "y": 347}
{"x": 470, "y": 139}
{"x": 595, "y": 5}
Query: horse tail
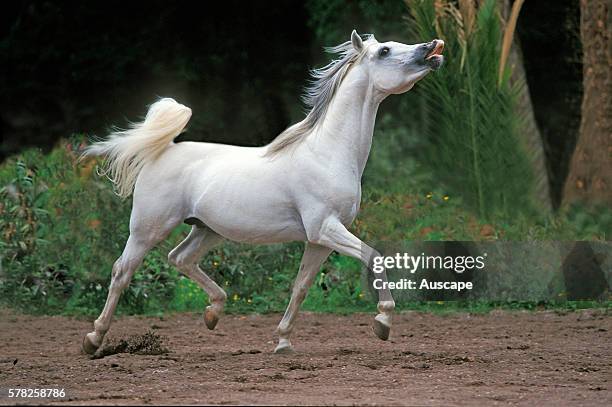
{"x": 127, "y": 151}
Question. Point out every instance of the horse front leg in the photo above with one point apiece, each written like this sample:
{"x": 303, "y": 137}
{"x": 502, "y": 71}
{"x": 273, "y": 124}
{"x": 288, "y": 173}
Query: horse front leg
{"x": 335, "y": 235}
{"x": 314, "y": 256}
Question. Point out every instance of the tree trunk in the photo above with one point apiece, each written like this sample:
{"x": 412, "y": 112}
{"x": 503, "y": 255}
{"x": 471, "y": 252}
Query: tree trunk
{"x": 590, "y": 174}
{"x": 531, "y": 136}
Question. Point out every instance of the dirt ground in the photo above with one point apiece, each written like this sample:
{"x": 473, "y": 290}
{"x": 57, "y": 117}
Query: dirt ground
{"x": 517, "y": 358}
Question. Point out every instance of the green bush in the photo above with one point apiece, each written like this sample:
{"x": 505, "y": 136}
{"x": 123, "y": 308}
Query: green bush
{"x": 72, "y": 229}
{"x": 472, "y": 125}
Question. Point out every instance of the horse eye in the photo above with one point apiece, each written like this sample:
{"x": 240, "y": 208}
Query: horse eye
{"x": 384, "y": 51}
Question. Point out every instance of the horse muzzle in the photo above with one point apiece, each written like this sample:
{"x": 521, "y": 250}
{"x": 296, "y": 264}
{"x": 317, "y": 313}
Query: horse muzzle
{"x": 434, "y": 57}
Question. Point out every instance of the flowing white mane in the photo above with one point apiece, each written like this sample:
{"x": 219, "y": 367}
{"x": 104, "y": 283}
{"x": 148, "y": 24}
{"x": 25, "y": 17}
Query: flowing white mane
{"x": 320, "y": 92}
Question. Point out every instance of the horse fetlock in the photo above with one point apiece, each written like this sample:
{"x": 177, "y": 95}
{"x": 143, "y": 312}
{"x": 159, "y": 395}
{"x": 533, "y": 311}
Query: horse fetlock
{"x": 386, "y": 307}
{"x": 100, "y": 328}
{"x": 221, "y": 297}
{"x": 218, "y": 302}
{"x": 284, "y": 329}
{"x": 284, "y": 346}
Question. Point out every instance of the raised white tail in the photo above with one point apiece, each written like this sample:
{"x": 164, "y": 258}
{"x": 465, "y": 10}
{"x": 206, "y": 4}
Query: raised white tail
{"x": 127, "y": 151}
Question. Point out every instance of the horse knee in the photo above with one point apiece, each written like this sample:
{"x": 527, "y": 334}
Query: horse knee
{"x": 100, "y": 327}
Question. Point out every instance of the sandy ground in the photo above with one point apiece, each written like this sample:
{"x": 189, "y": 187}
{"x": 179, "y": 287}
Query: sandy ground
{"x": 518, "y": 358}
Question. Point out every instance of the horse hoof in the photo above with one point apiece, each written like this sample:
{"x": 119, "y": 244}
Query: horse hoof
{"x": 284, "y": 350}
{"x": 89, "y": 347}
{"x": 381, "y": 330}
{"x": 210, "y": 318}
{"x": 284, "y": 347}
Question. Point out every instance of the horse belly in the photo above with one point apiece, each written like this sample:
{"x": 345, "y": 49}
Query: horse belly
{"x": 257, "y": 233}
{"x": 244, "y": 214}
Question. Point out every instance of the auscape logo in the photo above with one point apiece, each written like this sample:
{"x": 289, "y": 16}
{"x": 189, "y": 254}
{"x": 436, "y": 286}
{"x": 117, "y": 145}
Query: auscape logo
{"x": 406, "y": 284}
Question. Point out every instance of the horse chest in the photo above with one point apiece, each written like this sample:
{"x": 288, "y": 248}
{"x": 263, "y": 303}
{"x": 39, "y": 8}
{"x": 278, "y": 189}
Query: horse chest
{"x": 343, "y": 197}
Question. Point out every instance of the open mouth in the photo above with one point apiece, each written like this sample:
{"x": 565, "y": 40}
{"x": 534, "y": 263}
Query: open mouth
{"x": 435, "y": 58}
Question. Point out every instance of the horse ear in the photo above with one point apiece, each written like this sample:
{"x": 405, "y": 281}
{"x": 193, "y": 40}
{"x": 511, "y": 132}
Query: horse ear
{"x": 357, "y": 41}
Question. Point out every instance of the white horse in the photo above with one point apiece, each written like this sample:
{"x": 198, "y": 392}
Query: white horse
{"x": 305, "y": 185}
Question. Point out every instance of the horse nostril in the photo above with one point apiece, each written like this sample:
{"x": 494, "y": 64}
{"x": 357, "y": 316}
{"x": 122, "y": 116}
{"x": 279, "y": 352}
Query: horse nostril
{"x": 427, "y": 47}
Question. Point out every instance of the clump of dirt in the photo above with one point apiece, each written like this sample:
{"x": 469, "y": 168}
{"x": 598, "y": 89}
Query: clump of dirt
{"x": 148, "y": 343}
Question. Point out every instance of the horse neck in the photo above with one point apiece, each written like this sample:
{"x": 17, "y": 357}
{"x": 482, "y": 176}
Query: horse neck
{"x": 345, "y": 134}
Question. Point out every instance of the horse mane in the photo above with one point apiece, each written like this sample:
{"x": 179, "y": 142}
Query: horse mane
{"x": 319, "y": 93}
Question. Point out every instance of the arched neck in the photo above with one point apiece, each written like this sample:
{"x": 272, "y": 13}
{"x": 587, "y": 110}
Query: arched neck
{"x": 345, "y": 134}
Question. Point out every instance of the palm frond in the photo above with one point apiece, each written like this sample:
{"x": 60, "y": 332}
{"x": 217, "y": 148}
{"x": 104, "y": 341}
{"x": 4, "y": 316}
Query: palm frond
{"x": 472, "y": 133}
{"x": 508, "y": 36}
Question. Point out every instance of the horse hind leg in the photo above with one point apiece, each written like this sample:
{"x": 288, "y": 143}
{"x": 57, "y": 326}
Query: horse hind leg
{"x": 185, "y": 257}
{"x": 313, "y": 258}
{"x": 123, "y": 270}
